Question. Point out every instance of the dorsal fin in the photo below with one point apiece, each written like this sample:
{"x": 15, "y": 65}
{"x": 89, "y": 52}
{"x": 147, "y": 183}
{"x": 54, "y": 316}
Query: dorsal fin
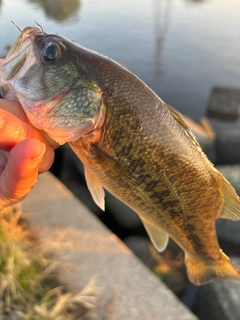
{"x": 180, "y": 119}
{"x": 158, "y": 237}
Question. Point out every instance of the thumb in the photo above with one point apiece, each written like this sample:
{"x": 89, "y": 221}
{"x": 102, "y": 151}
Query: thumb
{"x": 14, "y": 130}
{"x": 21, "y": 171}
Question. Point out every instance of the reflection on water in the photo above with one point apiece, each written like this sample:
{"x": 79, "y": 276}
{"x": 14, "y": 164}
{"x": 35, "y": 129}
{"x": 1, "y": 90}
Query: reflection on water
{"x": 197, "y": 1}
{"x": 59, "y": 10}
{"x": 180, "y": 48}
{"x": 161, "y": 20}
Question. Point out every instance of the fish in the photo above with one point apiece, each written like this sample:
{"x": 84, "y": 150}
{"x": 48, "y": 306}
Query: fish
{"x": 130, "y": 142}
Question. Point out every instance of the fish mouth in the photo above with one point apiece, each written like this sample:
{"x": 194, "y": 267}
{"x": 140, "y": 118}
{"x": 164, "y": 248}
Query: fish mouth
{"x": 20, "y": 54}
{"x": 23, "y": 41}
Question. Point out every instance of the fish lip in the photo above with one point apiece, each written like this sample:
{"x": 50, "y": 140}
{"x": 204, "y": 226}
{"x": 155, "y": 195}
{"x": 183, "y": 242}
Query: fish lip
{"x": 17, "y": 55}
{"x": 22, "y": 43}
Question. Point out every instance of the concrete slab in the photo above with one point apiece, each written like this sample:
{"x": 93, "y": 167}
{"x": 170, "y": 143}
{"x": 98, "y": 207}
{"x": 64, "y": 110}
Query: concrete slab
{"x": 228, "y": 145}
{"x": 219, "y": 300}
{"x": 232, "y": 174}
{"x": 122, "y": 287}
{"x": 224, "y": 103}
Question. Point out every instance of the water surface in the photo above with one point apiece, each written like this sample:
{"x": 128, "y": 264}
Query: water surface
{"x": 180, "y": 48}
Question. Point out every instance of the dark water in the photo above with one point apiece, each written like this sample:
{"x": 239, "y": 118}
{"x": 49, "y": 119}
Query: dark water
{"x": 180, "y": 48}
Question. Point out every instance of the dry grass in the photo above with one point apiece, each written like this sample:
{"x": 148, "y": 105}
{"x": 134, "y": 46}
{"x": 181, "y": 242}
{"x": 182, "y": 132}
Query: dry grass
{"x": 28, "y": 285}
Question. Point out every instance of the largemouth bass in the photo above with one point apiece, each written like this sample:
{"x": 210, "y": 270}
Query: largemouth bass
{"x": 130, "y": 142}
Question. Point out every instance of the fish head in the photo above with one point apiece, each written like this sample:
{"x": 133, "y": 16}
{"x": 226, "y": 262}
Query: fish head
{"x": 46, "y": 75}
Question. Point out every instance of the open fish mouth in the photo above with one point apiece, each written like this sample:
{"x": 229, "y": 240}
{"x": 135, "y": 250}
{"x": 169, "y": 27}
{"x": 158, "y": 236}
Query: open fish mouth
{"x": 20, "y": 57}
{"x": 23, "y": 41}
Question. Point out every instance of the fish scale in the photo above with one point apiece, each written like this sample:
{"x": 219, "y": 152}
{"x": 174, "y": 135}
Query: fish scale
{"x": 131, "y": 143}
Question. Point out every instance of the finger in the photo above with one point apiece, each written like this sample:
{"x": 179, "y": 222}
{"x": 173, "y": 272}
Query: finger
{"x": 13, "y": 131}
{"x": 3, "y": 160}
{"x": 21, "y": 171}
{"x": 16, "y": 109}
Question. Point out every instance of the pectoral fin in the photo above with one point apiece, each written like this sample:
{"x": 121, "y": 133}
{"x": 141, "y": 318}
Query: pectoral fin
{"x": 158, "y": 237}
{"x": 95, "y": 189}
{"x": 117, "y": 169}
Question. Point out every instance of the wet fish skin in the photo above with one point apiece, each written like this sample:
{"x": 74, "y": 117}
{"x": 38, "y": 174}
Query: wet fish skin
{"x": 149, "y": 159}
{"x": 137, "y": 147}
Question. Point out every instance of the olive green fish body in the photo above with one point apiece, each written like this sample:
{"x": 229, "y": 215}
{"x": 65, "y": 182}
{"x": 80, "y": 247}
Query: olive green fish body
{"x": 153, "y": 164}
{"x": 130, "y": 142}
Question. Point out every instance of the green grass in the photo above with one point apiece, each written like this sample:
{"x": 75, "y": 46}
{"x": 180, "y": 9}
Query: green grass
{"x": 27, "y": 288}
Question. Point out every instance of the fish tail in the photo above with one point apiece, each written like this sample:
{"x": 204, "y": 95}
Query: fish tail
{"x": 199, "y": 272}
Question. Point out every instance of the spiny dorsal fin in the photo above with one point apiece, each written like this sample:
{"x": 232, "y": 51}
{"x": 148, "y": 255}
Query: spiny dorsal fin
{"x": 158, "y": 237}
{"x": 95, "y": 189}
{"x": 231, "y": 206}
{"x": 180, "y": 119}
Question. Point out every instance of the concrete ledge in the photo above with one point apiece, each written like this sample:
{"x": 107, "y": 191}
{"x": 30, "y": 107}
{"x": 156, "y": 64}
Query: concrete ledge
{"x": 219, "y": 299}
{"x": 123, "y": 288}
{"x": 224, "y": 103}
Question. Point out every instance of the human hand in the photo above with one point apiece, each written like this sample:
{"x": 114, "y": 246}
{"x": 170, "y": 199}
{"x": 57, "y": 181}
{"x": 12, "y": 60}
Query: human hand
{"x": 24, "y": 153}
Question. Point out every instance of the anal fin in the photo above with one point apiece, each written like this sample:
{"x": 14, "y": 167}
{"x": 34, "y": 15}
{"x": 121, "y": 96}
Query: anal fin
{"x": 158, "y": 237}
{"x": 95, "y": 188}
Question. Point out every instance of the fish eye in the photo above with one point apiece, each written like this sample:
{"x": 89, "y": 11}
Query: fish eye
{"x": 51, "y": 52}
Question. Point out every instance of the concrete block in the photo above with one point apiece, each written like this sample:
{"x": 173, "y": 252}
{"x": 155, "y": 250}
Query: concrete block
{"x": 228, "y": 231}
{"x": 228, "y": 146}
{"x": 141, "y": 248}
{"x": 87, "y": 251}
{"x": 224, "y": 103}
{"x": 232, "y": 174}
{"x": 219, "y": 300}
{"x": 125, "y": 216}
{"x": 227, "y": 143}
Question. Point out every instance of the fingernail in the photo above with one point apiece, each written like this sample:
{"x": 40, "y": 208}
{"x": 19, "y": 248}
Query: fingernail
{"x": 38, "y": 158}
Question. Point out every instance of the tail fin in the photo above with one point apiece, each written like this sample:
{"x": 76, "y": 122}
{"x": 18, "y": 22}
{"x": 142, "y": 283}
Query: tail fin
{"x": 199, "y": 272}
